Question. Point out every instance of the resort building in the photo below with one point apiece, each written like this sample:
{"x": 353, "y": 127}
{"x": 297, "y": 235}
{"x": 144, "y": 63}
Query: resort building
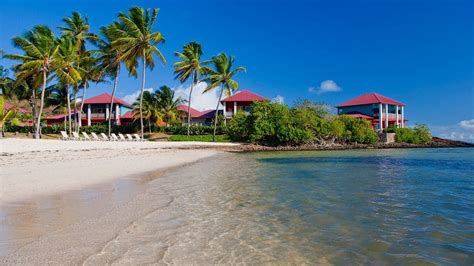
{"x": 97, "y": 110}
{"x": 197, "y": 117}
{"x": 381, "y": 111}
{"x": 240, "y": 101}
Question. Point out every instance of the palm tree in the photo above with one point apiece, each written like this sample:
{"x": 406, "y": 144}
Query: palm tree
{"x": 109, "y": 58}
{"x": 148, "y": 108}
{"x": 68, "y": 71}
{"x": 78, "y": 28}
{"x": 138, "y": 41}
{"x": 40, "y": 49}
{"x": 222, "y": 75}
{"x": 90, "y": 71}
{"x": 58, "y": 97}
{"x": 167, "y": 104}
{"x": 190, "y": 66}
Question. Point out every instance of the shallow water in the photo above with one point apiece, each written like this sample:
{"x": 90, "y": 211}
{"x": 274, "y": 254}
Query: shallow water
{"x": 348, "y": 207}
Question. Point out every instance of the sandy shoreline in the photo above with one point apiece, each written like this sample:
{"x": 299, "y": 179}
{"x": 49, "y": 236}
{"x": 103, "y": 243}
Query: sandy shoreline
{"x": 31, "y": 168}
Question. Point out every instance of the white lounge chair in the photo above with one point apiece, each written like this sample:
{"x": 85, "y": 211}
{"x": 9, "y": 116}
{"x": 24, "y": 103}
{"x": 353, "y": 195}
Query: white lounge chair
{"x": 64, "y": 135}
{"x": 104, "y": 137}
{"x": 121, "y": 137}
{"x": 137, "y": 138}
{"x": 94, "y": 136}
{"x": 114, "y": 137}
{"x": 86, "y": 137}
{"x": 76, "y": 136}
{"x": 130, "y": 138}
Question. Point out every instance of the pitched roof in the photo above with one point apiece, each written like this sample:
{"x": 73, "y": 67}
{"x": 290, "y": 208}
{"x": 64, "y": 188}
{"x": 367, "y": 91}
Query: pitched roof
{"x": 359, "y": 115}
{"x": 370, "y": 98}
{"x": 184, "y": 108}
{"x": 127, "y": 115}
{"x": 245, "y": 96}
{"x": 105, "y": 98}
{"x": 7, "y": 106}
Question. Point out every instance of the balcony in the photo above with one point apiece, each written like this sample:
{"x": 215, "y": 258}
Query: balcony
{"x": 98, "y": 115}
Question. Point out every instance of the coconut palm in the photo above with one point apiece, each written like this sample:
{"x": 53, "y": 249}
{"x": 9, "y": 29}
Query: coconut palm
{"x": 222, "y": 75}
{"x": 78, "y": 28}
{"x": 190, "y": 66}
{"x": 58, "y": 97}
{"x": 90, "y": 71}
{"x": 148, "y": 108}
{"x": 137, "y": 40}
{"x": 109, "y": 58}
{"x": 40, "y": 49}
{"x": 68, "y": 71}
{"x": 167, "y": 104}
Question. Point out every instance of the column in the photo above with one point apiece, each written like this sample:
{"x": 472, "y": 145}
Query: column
{"x": 106, "y": 111}
{"x": 88, "y": 114}
{"x": 403, "y": 116}
{"x": 117, "y": 114}
{"x": 396, "y": 117}
{"x": 386, "y": 115}
{"x": 380, "y": 117}
{"x": 235, "y": 108}
{"x": 225, "y": 110}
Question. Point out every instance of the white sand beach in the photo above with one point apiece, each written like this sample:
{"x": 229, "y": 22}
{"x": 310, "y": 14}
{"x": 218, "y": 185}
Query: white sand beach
{"x": 31, "y": 168}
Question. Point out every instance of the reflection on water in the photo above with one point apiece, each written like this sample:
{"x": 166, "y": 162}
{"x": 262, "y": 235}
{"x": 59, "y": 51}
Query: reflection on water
{"x": 351, "y": 207}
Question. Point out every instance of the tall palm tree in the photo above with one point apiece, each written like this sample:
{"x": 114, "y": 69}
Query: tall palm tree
{"x": 78, "y": 28}
{"x": 58, "y": 94}
{"x": 148, "y": 108}
{"x": 109, "y": 58}
{"x": 190, "y": 66}
{"x": 222, "y": 75}
{"x": 167, "y": 104}
{"x": 90, "y": 71}
{"x": 40, "y": 49}
{"x": 68, "y": 71}
{"x": 138, "y": 41}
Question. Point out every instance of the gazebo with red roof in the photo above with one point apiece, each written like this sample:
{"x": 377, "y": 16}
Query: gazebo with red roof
{"x": 240, "y": 101}
{"x": 382, "y": 111}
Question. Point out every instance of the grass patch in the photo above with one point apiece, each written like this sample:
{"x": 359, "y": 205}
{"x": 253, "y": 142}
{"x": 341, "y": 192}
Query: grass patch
{"x": 205, "y": 138}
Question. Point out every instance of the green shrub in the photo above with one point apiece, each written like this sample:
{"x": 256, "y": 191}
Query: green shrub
{"x": 420, "y": 134}
{"x": 356, "y": 130}
{"x": 238, "y": 128}
{"x": 205, "y": 138}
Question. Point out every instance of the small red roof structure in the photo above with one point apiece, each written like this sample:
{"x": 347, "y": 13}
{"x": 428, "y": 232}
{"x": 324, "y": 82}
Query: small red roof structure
{"x": 184, "y": 108}
{"x": 245, "y": 96}
{"x": 128, "y": 115}
{"x": 7, "y": 106}
{"x": 106, "y": 98}
{"x": 370, "y": 98}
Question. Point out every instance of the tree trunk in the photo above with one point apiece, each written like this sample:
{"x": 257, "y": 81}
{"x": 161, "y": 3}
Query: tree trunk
{"x": 215, "y": 116}
{"x": 149, "y": 126}
{"x": 113, "y": 95}
{"x": 75, "y": 110}
{"x": 69, "y": 111}
{"x": 141, "y": 94}
{"x": 43, "y": 91}
{"x": 82, "y": 106}
{"x": 189, "y": 101}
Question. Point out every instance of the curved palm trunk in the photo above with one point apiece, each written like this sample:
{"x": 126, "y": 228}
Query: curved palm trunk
{"x": 189, "y": 101}
{"x": 113, "y": 95}
{"x": 82, "y": 107}
{"x": 215, "y": 116}
{"x": 141, "y": 94}
{"x": 69, "y": 111}
{"x": 43, "y": 91}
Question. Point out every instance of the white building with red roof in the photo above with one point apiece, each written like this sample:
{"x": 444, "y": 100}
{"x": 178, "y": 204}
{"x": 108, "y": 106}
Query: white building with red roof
{"x": 97, "y": 110}
{"x": 240, "y": 101}
{"x": 380, "y": 110}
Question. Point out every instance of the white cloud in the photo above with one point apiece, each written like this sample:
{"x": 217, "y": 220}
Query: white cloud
{"x": 199, "y": 100}
{"x": 463, "y": 131}
{"x": 278, "y": 99}
{"x": 467, "y": 124}
{"x": 325, "y": 86}
{"x": 131, "y": 98}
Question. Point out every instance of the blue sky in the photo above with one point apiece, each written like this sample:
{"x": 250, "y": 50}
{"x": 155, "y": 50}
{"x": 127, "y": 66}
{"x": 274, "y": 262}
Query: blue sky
{"x": 418, "y": 52}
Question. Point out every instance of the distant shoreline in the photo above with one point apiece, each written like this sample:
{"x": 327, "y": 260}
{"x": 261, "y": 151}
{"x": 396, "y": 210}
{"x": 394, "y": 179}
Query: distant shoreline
{"x": 435, "y": 143}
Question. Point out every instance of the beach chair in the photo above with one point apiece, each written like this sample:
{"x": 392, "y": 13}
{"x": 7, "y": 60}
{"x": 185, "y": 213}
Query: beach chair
{"x": 137, "y": 138}
{"x": 64, "y": 135}
{"x": 104, "y": 137}
{"x": 86, "y": 137}
{"x": 130, "y": 138}
{"x": 94, "y": 136}
{"x": 122, "y": 138}
{"x": 76, "y": 136}
{"x": 114, "y": 137}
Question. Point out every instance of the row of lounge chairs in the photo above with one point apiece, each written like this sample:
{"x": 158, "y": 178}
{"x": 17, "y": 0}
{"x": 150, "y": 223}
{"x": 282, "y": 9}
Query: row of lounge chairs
{"x": 102, "y": 137}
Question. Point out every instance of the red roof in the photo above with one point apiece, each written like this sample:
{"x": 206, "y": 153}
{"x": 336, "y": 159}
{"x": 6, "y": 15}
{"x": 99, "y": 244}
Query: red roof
{"x": 127, "y": 115}
{"x": 106, "y": 98}
{"x": 184, "y": 108}
{"x": 7, "y": 106}
{"x": 59, "y": 116}
{"x": 245, "y": 96}
{"x": 370, "y": 98}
